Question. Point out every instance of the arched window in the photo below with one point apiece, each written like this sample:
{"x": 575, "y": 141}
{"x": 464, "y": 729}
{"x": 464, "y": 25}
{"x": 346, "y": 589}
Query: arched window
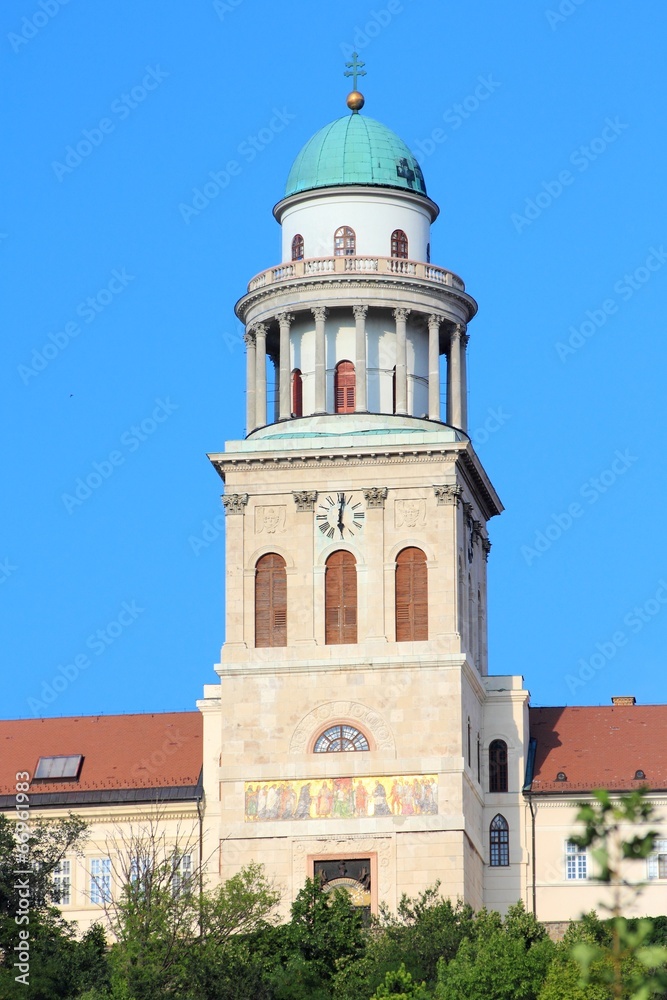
{"x": 344, "y": 387}
{"x": 297, "y": 393}
{"x": 428, "y": 253}
{"x": 340, "y": 738}
{"x": 297, "y": 247}
{"x": 270, "y": 601}
{"x": 411, "y": 596}
{"x": 345, "y": 242}
{"x": 393, "y": 389}
{"x": 498, "y": 766}
{"x": 340, "y": 598}
{"x": 500, "y": 842}
{"x": 399, "y": 243}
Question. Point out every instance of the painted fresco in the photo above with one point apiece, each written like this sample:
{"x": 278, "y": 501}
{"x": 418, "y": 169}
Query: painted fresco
{"x": 341, "y": 798}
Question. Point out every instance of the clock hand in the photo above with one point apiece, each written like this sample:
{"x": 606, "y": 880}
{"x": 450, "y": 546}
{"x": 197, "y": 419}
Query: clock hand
{"x": 341, "y": 508}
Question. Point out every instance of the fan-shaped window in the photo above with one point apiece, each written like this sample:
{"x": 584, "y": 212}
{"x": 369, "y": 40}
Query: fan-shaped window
{"x": 399, "y": 243}
{"x": 270, "y": 601}
{"x": 297, "y": 247}
{"x": 297, "y": 393}
{"x": 340, "y": 598}
{"x": 344, "y": 387}
{"x": 411, "y": 596}
{"x": 340, "y": 738}
{"x": 345, "y": 242}
{"x": 500, "y": 842}
{"x": 498, "y": 766}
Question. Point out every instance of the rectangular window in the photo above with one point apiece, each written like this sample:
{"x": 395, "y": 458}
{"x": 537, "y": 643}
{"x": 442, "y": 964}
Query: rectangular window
{"x": 657, "y": 863}
{"x": 55, "y": 768}
{"x": 100, "y": 880}
{"x": 61, "y": 883}
{"x": 576, "y": 862}
{"x": 182, "y": 874}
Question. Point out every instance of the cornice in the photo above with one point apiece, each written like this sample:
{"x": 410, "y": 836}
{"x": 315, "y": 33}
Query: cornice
{"x": 321, "y": 286}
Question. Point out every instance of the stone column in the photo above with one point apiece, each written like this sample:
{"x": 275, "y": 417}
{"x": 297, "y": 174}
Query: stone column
{"x": 250, "y": 381}
{"x": 260, "y": 383}
{"x": 464, "y": 380}
{"x": 320, "y": 314}
{"x": 454, "y": 413}
{"x": 401, "y": 315}
{"x": 360, "y": 359}
{"x": 285, "y": 408}
{"x": 434, "y": 322}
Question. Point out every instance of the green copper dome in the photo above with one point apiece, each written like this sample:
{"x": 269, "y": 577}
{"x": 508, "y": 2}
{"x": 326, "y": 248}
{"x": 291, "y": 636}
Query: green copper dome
{"x": 355, "y": 150}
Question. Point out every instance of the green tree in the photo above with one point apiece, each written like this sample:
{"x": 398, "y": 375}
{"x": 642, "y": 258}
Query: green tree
{"x": 400, "y": 986}
{"x": 632, "y": 965}
{"x": 501, "y": 959}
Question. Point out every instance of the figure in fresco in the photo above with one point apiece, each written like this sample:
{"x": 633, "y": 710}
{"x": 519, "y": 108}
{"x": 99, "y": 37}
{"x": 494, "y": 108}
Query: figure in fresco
{"x": 303, "y": 805}
{"x": 365, "y": 878}
{"x": 430, "y": 805}
{"x": 272, "y": 802}
{"x": 261, "y": 801}
{"x": 251, "y": 803}
{"x": 395, "y": 797}
{"x": 287, "y": 801}
{"x": 360, "y": 799}
{"x": 380, "y": 807}
{"x": 416, "y": 795}
{"x": 407, "y": 808}
{"x": 324, "y": 801}
{"x": 342, "y": 805}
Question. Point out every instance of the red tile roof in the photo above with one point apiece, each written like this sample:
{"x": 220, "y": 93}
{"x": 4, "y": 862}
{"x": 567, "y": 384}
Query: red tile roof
{"x": 120, "y": 751}
{"x": 599, "y": 747}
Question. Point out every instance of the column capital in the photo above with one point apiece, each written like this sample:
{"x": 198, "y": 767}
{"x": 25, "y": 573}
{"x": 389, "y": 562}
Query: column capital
{"x": 320, "y": 312}
{"x": 486, "y": 545}
{"x": 304, "y": 499}
{"x": 234, "y": 503}
{"x": 249, "y": 338}
{"x": 285, "y": 318}
{"x": 450, "y": 495}
{"x": 401, "y": 314}
{"x": 436, "y": 320}
{"x": 259, "y": 329}
{"x": 360, "y": 311}
{"x": 375, "y": 496}
{"x": 459, "y": 332}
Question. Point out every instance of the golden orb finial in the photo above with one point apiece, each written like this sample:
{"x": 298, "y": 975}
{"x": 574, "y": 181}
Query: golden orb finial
{"x": 355, "y": 101}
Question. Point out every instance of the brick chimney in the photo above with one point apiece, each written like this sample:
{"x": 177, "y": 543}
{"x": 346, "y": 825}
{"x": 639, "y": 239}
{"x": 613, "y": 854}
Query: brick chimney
{"x": 623, "y": 699}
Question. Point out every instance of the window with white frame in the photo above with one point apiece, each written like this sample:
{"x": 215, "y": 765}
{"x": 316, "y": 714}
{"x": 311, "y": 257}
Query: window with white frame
{"x": 100, "y": 880}
{"x": 62, "y": 886}
{"x": 182, "y": 874}
{"x": 657, "y": 863}
{"x": 576, "y": 861}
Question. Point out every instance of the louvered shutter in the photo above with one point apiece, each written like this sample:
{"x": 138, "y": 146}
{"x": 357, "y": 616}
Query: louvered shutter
{"x": 270, "y": 601}
{"x": 344, "y": 387}
{"x": 411, "y": 596}
{"x": 340, "y": 599}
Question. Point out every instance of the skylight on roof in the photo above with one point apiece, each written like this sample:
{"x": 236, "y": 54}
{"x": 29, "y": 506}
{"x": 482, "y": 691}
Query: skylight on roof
{"x": 54, "y": 768}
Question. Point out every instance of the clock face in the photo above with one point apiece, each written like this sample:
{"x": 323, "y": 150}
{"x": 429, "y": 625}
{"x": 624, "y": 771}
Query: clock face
{"x": 340, "y": 516}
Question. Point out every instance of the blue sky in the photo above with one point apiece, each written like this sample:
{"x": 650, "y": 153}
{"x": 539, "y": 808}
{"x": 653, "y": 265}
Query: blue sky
{"x": 540, "y": 128}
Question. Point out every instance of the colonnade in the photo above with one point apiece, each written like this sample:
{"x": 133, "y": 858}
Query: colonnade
{"x": 455, "y": 350}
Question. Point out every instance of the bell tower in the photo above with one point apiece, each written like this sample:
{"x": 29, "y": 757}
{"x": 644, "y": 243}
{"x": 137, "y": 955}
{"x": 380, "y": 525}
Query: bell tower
{"x": 346, "y": 738}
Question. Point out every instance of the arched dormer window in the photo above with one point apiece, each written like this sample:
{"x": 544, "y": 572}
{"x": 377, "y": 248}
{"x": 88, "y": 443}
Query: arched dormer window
{"x": 411, "y": 596}
{"x": 270, "y": 601}
{"x": 340, "y": 738}
{"x": 297, "y": 393}
{"x": 499, "y": 836}
{"x": 345, "y": 242}
{"x": 340, "y": 598}
{"x": 297, "y": 247}
{"x": 344, "y": 387}
{"x": 498, "y": 766}
{"x": 399, "y": 243}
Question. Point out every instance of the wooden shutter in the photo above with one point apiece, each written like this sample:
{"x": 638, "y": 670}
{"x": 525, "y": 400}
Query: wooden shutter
{"x": 297, "y": 393}
{"x": 411, "y": 596}
{"x": 340, "y": 598}
{"x": 270, "y": 601}
{"x": 344, "y": 387}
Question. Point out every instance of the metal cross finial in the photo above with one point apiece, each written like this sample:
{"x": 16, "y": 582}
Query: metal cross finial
{"x": 354, "y": 69}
